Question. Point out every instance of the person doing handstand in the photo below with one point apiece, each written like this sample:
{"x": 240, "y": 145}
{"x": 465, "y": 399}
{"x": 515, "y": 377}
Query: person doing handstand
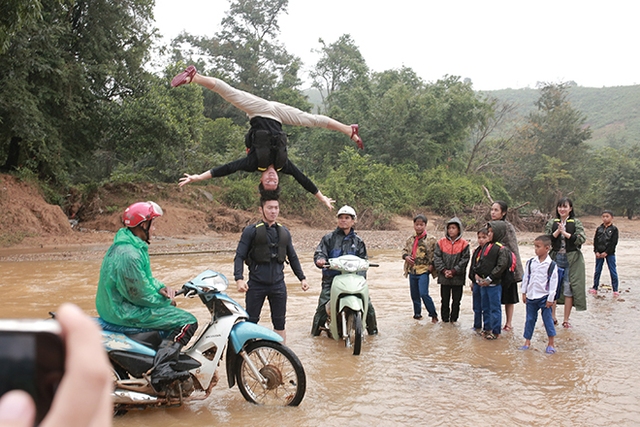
{"x": 266, "y": 141}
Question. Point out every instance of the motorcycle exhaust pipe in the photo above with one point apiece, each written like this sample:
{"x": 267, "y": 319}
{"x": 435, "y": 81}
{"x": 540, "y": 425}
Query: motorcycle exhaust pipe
{"x": 129, "y": 397}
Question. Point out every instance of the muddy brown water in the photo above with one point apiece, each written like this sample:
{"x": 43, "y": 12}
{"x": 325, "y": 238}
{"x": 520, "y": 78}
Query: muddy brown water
{"x": 413, "y": 372}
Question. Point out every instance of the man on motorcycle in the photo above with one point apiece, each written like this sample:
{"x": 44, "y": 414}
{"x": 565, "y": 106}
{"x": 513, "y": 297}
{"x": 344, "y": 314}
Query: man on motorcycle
{"x": 341, "y": 241}
{"x": 128, "y": 295}
{"x": 265, "y": 247}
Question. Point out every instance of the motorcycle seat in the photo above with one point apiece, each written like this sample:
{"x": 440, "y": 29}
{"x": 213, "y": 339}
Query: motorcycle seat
{"x": 148, "y": 337}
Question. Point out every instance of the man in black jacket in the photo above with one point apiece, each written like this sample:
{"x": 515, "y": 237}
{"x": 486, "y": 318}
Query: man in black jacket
{"x": 341, "y": 241}
{"x": 265, "y": 247}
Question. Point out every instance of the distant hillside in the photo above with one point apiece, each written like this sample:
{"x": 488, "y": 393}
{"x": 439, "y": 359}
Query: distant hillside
{"x": 613, "y": 113}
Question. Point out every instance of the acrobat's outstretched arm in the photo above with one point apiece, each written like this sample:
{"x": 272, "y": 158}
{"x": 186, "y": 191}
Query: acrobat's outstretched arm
{"x": 186, "y": 179}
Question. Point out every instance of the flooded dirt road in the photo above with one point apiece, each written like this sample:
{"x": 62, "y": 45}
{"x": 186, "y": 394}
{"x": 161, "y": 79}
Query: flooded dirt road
{"x": 413, "y": 372}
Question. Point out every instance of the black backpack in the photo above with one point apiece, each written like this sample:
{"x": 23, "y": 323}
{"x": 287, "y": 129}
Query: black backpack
{"x": 549, "y": 273}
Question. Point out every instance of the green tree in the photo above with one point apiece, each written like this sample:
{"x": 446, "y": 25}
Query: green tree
{"x": 246, "y": 52}
{"x": 60, "y": 76}
{"x": 340, "y": 67}
{"x": 491, "y": 137}
{"x": 551, "y": 156}
{"x": 426, "y": 124}
{"x": 154, "y": 134}
{"x": 15, "y": 14}
{"x": 623, "y": 182}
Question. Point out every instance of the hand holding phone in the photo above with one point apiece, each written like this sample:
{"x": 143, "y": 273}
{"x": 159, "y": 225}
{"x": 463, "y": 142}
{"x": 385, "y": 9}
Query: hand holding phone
{"x": 83, "y": 397}
{"x": 32, "y": 358}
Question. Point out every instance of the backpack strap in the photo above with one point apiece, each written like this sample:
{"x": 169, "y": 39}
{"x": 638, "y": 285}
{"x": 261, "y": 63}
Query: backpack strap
{"x": 550, "y": 272}
{"x": 529, "y": 270}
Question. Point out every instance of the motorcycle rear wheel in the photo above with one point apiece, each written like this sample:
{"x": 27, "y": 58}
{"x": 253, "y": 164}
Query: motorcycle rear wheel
{"x": 286, "y": 380}
{"x": 354, "y": 331}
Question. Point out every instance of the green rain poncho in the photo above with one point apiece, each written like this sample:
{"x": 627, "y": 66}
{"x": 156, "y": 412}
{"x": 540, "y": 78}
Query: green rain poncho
{"x": 127, "y": 292}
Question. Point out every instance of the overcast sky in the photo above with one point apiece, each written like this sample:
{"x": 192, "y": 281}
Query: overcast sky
{"x": 497, "y": 44}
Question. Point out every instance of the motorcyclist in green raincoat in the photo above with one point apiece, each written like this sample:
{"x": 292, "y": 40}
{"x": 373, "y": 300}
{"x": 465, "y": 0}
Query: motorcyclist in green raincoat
{"x": 129, "y": 295}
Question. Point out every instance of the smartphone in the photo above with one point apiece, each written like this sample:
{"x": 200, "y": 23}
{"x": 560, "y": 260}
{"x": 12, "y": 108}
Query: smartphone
{"x": 32, "y": 359}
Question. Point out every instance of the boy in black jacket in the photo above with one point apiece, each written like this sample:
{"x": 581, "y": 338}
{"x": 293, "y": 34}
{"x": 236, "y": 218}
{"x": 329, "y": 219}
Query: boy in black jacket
{"x": 604, "y": 246}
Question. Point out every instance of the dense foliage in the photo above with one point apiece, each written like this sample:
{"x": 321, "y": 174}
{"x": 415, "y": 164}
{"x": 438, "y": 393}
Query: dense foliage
{"x": 78, "y": 108}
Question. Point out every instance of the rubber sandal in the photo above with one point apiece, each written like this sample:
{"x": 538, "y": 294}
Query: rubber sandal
{"x": 524, "y": 347}
{"x": 555, "y": 321}
{"x": 616, "y": 294}
{"x": 490, "y": 336}
{"x": 355, "y": 131}
{"x": 550, "y": 350}
{"x": 593, "y": 291}
{"x": 566, "y": 325}
{"x": 184, "y": 77}
{"x": 507, "y": 328}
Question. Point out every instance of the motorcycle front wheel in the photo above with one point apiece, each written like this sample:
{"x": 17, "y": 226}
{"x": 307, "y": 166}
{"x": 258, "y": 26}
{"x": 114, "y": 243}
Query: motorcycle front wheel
{"x": 285, "y": 378}
{"x": 354, "y": 331}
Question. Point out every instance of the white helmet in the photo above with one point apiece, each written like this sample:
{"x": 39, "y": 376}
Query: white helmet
{"x": 347, "y": 210}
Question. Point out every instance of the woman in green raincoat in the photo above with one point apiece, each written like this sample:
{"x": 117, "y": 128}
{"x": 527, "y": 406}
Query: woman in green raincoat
{"x": 567, "y": 235}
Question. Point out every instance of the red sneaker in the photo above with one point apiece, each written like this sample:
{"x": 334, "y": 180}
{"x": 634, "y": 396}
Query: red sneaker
{"x": 355, "y": 129}
{"x": 184, "y": 77}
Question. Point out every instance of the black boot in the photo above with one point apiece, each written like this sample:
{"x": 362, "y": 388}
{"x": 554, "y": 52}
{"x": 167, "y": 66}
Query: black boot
{"x": 166, "y": 358}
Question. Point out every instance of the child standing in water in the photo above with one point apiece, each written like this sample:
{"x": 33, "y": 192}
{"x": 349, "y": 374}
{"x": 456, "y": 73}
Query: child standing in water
{"x": 483, "y": 238}
{"x": 538, "y": 289}
{"x": 493, "y": 261}
{"x": 604, "y": 246}
{"x": 450, "y": 260}
{"x": 418, "y": 264}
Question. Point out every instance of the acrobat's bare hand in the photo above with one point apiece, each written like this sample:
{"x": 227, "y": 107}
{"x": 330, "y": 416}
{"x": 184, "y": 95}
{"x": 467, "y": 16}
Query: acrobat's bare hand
{"x": 328, "y": 201}
{"x": 186, "y": 179}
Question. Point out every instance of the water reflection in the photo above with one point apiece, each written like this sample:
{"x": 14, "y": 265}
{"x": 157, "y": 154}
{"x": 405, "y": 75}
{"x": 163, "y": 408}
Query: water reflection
{"x": 412, "y": 373}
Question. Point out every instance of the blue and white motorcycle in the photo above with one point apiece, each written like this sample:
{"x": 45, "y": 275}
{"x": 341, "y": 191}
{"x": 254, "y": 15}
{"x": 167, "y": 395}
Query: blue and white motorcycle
{"x": 267, "y": 372}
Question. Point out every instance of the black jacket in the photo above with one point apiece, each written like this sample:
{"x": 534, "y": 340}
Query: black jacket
{"x": 495, "y": 257}
{"x": 269, "y": 273}
{"x": 336, "y": 244}
{"x": 250, "y": 162}
{"x": 606, "y": 239}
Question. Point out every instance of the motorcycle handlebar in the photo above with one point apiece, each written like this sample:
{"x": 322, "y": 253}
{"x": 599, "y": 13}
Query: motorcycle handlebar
{"x": 371, "y": 264}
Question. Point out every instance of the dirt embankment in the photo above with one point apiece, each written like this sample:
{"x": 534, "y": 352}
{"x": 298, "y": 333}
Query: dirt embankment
{"x": 193, "y": 221}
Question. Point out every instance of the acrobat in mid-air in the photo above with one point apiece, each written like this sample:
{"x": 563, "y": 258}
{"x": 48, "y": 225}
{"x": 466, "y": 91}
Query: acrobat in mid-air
{"x": 266, "y": 142}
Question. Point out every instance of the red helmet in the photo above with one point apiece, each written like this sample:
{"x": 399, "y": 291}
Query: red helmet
{"x": 140, "y": 212}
